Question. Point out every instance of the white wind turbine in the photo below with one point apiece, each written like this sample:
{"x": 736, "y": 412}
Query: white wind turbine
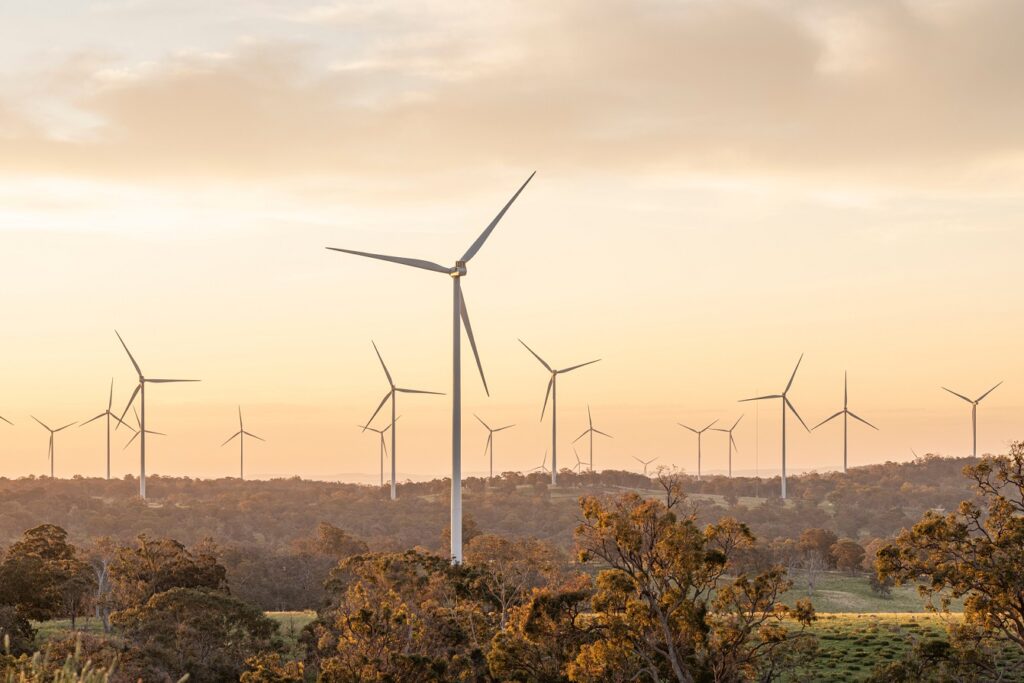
{"x": 579, "y": 463}
{"x": 459, "y": 316}
{"x": 240, "y": 435}
{"x": 543, "y": 465}
{"x": 393, "y": 391}
{"x": 137, "y": 430}
{"x": 108, "y": 413}
{"x": 50, "y": 450}
{"x": 645, "y": 463}
{"x": 974, "y": 415}
{"x": 700, "y": 434}
{"x": 140, "y": 391}
{"x": 845, "y": 412}
{"x": 383, "y": 445}
{"x": 552, "y": 393}
{"x": 732, "y": 441}
{"x": 785, "y": 404}
{"x": 591, "y": 431}
{"x": 489, "y": 446}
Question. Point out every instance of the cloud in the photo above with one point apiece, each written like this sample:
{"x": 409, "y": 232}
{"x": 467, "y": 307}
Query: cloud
{"x": 893, "y": 91}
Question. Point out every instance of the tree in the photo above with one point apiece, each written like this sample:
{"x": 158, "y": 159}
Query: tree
{"x": 204, "y": 633}
{"x": 665, "y": 606}
{"x": 158, "y": 565}
{"x": 848, "y": 555}
{"x": 976, "y": 553}
{"x": 819, "y": 541}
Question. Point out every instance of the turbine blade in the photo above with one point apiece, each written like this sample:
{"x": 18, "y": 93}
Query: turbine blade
{"x": 414, "y": 262}
{"x": 590, "y": 418}
{"x": 41, "y": 422}
{"x": 130, "y": 441}
{"x": 639, "y": 460}
{"x": 709, "y": 426}
{"x": 231, "y": 438}
{"x": 793, "y": 376}
{"x": 501, "y": 429}
{"x": 759, "y": 398}
{"x": 542, "y": 361}
{"x": 827, "y": 419}
{"x": 239, "y": 417}
{"x": 258, "y": 438}
{"x": 64, "y": 427}
{"x": 487, "y": 444}
{"x": 987, "y": 393}
{"x": 120, "y": 420}
{"x": 418, "y": 391}
{"x": 382, "y": 402}
{"x": 551, "y": 383}
{"x": 110, "y": 403}
{"x": 472, "y": 341}
{"x": 92, "y": 420}
{"x": 690, "y": 428}
{"x": 482, "y": 422}
{"x": 960, "y": 395}
{"x": 790, "y": 405}
{"x": 150, "y": 431}
{"x": 6, "y": 420}
{"x": 735, "y": 424}
{"x": 130, "y": 356}
{"x": 475, "y": 247}
{"x": 574, "y": 367}
{"x": 598, "y": 431}
{"x": 381, "y": 359}
{"x": 733, "y": 442}
{"x": 855, "y": 417}
{"x": 585, "y": 432}
{"x": 166, "y": 381}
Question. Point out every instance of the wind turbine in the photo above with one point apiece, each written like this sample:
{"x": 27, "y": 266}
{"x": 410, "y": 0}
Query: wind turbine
{"x": 591, "y": 431}
{"x": 138, "y": 431}
{"x": 392, "y": 392}
{"x": 579, "y": 463}
{"x": 460, "y": 316}
{"x": 645, "y": 463}
{"x": 974, "y": 416}
{"x": 699, "y": 433}
{"x": 543, "y": 465}
{"x": 108, "y": 413}
{"x": 552, "y": 393}
{"x": 846, "y": 419}
{"x": 140, "y": 391}
{"x": 785, "y": 404}
{"x": 241, "y": 434}
{"x": 50, "y": 451}
{"x": 732, "y": 441}
{"x": 489, "y": 446}
{"x": 383, "y": 445}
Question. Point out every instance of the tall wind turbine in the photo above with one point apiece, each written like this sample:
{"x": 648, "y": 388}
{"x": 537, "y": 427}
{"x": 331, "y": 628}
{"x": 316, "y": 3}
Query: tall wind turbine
{"x": 974, "y": 416}
{"x": 732, "y": 441}
{"x": 489, "y": 446}
{"x": 383, "y": 444}
{"x": 138, "y": 430}
{"x": 591, "y": 431}
{"x": 700, "y": 434}
{"x": 552, "y": 393}
{"x": 785, "y": 404}
{"x": 460, "y": 316}
{"x": 240, "y": 435}
{"x": 50, "y": 450}
{"x": 393, "y": 391}
{"x": 845, "y": 412}
{"x": 140, "y": 391}
{"x": 645, "y": 463}
{"x": 108, "y": 413}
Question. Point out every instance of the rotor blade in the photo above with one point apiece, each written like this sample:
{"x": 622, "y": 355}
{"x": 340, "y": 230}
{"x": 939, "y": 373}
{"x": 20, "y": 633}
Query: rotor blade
{"x": 585, "y": 432}
{"x": 598, "y": 431}
{"x": 796, "y": 413}
{"x": 258, "y": 438}
{"x": 419, "y": 391}
{"x": 542, "y": 361}
{"x": 709, "y": 426}
{"x": 134, "y": 436}
{"x": 987, "y": 393}
{"x": 639, "y": 460}
{"x": 6, "y": 420}
{"x": 735, "y": 423}
{"x": 165, "y": 381}
{"x": 475, "y": 247}
{"x": 690, "y": 428}
{"x": 551, "y": 383}
{"x": 231, "y": 438}
{"x": 382, "y": 402}
{"x": 41, "y": 422}
{"x": 733, "y": 442}
{"x": 65, "y": 427}
{"x": 574, "y": 367}
{"x": 239, "y": 417}
{"x": 381, "y": 359}
{"x": 130, "y": 356}
{"x": 110, "y": 403}
{"x": 960, "y": 395}
{"x": 827, "y": 419}
{"x": 120, "y": 420}
{"x": 759, "y": 398}
{"x": 855, "y": 417}
{"x": 793, "y": 376}
{"x": 137, "y": 420}
{"x": 150, "y": 431}
{"x": 488, "y": 443}
{"x": 501, "y": 429}
{"x": 482, "y": 422}
{"x": 414, "y": 262}
{"x": 472, "y": 341}
{"x": 88, "y": 421}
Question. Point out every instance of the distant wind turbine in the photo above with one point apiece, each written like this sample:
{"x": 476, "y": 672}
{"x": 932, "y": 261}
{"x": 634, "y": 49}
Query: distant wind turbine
{"x": 383, "y": 445}
{"x": 460, "y": 315}
{"x": 140, "y": 391}
{"x": 732, "y": 441}
{"x": 579, "y": 463}
{"x": 138, "y": 430}
{"x": 552, "y": 393}
{"x": 699, "y": 433}
{"x": 543, "y": 465}
{"x": 393, "y": 391}
{"x": 645, "y": 463}
{"x": 845, "y": 412}
{"x": 785, "y": 404}
{"x": 108, "y": 413}
{"x": 240, "y": 435}
{"x": 50, "y": 450}
{"x": 489, "y": 446}
{"x": 974, "y": 415}
{"x": 591, "y": 431}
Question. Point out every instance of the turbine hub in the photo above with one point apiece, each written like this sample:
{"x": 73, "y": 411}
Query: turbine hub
{"x": 459, "y": 270}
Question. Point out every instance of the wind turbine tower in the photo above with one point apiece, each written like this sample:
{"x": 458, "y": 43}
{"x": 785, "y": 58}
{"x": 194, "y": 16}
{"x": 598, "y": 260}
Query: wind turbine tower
{"x": 845, "y": 412}
{"x": 974, "y": 415}
{"x": 240, "y": 435}
{"x": 700, "y": 434}
{"x": 591, "y": 431}
{"x": 732, "y": 441}
{"x": 489, "y": 446}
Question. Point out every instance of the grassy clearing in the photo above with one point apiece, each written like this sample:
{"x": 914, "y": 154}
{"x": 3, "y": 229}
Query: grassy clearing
{"x": 843, "y": 593}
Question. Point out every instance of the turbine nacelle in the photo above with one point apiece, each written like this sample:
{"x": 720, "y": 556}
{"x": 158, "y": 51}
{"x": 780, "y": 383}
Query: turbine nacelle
{"x": 459, "y": 270}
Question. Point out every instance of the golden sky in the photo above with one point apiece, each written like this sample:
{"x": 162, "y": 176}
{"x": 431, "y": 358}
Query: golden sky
{"x": 721, "y": 186}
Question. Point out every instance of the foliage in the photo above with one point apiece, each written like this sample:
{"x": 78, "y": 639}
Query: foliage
{"x": 157, "y": 565}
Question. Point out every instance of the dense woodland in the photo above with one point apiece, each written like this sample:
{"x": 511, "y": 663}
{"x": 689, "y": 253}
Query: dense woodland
{"x": 609, "y": 576}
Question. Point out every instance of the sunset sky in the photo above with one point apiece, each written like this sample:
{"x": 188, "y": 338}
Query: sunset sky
{"x": 720, "y": 187}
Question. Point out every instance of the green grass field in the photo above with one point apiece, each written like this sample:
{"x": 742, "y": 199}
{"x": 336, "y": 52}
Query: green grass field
{"x": 839, "y": 592}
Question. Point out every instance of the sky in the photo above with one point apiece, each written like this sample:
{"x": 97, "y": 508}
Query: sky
{"x": 721, "y": 186}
